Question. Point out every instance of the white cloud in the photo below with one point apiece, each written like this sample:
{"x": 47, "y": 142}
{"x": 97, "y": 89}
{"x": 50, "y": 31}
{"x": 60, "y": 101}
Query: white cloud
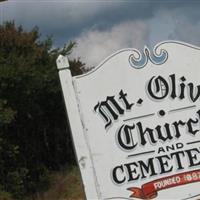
{"x": 93, "y": 45}
{"x": 166, "y": 24}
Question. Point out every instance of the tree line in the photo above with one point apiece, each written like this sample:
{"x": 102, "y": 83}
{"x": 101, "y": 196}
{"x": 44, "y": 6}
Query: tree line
{"x": 34, "y": 134}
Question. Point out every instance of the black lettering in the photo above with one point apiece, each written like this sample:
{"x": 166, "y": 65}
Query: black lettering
{"x": 132, "y": 172}
{"x": 178, "y": 159}
{"x": 109, "y": 109}
{"x": 194, "y": 97}
{"x": 182, "y": 88}
{"x": 161, "y": 135}
{"x": 176, "y": 126}
{"x": 124, "y": 99}
{"x": 115, "y": 177}
{"x": 173, "y": 85}
{"x": 164, "y": 165}
{"x": 159, "y": 85}
{"x": 147, "y": 168}
{"x": 190, "y": 128}
{"x": 148, "y": 131}
{"x": 125, "y": 138}
{"x": 192, "y": 155}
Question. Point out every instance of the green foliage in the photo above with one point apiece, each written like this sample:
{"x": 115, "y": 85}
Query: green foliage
{"x": 33, "y": 137}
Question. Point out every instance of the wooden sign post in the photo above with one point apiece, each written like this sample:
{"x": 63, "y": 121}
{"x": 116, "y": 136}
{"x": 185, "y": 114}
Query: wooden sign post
{"x": 135, "y": 122}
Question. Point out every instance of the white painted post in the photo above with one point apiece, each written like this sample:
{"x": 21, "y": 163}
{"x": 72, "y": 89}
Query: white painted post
{"x": 82, "y": 151}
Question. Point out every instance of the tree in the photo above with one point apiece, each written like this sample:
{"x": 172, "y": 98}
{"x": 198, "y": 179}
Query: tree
{"x": 34, "y": 136}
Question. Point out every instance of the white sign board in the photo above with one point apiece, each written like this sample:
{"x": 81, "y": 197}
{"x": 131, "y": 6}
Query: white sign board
{"x": 135, "y": 121}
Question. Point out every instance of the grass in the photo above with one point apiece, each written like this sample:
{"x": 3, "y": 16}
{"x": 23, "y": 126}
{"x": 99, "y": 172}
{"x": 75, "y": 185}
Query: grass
{"x": 65, "y": 185}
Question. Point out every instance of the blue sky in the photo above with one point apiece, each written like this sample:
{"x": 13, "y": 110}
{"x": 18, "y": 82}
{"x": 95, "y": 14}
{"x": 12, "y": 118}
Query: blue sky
{"x": 101, "y": 27}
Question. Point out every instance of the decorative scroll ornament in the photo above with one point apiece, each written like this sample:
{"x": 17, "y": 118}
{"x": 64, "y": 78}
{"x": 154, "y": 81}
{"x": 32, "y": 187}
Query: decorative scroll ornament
{"x": 139, "y": 60}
